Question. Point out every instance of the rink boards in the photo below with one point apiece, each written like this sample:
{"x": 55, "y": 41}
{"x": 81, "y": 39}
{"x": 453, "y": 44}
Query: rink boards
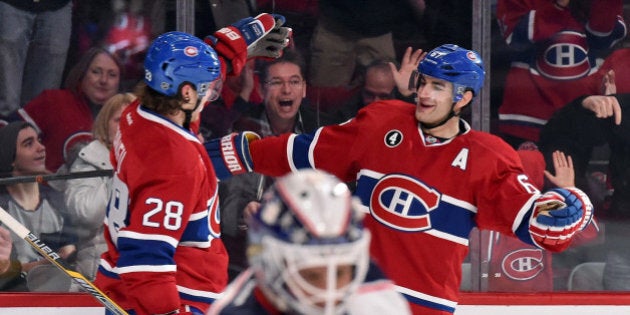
{"x": 582, "y": 303}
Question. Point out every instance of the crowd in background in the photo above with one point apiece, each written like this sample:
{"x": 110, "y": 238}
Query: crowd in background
{"x": 67, "y": 92}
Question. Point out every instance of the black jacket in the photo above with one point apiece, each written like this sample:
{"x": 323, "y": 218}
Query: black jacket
{"x": 576, "y": 131}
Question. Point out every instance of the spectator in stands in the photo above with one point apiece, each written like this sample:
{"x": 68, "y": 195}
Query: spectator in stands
{"x": 504, "y": 270}
{"x": 86, "y": 198}
{"x": 612, "y": 76}
{"x": 378, "y": 84}
{"x": 555, "y": 46}
{"x": 284, "y": 89}
{"x": 447, "y": 21}
{"x": 34, "y": 41}
{"x": 239, "y": 94}
{"x": 301, "y": 15}
{"x": 38, "y": 207}
{"x": 577, "y": 128}
{"x": 64, "y": 117}
{"x": 350, "y": 35}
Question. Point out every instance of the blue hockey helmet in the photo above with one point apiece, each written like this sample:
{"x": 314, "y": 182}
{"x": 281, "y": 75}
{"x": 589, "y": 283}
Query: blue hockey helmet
{"x": 178, "y": 57}
{"x": 308, "y": 220}
{"x": 462, "y": 67}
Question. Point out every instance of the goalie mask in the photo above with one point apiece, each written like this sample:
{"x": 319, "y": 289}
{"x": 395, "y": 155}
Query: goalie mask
{"x": 308, "y": 248}
{"x": 175, "y": 58}
{"x": 462, "y": 67}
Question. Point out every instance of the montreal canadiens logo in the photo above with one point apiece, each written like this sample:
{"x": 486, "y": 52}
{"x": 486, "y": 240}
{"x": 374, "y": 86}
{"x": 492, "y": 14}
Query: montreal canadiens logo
{"x": 565, "y": 57}
{"x": 403, "y": 203}
{"x": 523, "y": 264}
{"x": 191, "y": 51}
{"x": 471, "y": 55}
{"x": 74, "y": 143}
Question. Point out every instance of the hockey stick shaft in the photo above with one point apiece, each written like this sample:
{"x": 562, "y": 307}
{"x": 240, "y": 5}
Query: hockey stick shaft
{"x": 56, "y": 260}
{"x": 51, "y": 177}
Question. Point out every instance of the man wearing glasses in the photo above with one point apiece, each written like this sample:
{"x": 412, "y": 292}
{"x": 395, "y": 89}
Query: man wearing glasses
{"x": 283, "y": 110}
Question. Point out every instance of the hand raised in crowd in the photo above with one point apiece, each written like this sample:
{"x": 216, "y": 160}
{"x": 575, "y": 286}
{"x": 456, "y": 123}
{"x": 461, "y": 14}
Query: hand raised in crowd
{"x": 408, "y": 65}
{"x": 563, "y": 167}
{"x": 603, "y": 106}
{"x": 247, "y": 80}
{"x": 608, "y": 83}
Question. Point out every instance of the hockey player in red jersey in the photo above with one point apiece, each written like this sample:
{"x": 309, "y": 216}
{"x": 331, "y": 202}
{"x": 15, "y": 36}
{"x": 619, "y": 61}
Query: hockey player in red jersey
{"x": 165, "y": 255}
{"x": 426, "y": 179}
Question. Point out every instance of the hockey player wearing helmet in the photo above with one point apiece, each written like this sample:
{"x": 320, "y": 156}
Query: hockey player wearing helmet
{"x": 165, "y": 255}
{"x": 427, "y": 179}
{"x": 309, "y": 254}
{"x": 448, "y": 63}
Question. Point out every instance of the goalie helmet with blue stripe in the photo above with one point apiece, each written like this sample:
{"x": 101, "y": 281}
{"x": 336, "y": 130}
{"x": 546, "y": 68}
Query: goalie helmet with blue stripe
{"x": 308, "y": 248}
{"x": 175, "y": 58}
{"x": 462, "y": 67}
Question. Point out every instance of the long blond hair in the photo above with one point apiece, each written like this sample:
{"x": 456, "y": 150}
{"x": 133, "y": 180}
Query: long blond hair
{"x": 100, "y": 129}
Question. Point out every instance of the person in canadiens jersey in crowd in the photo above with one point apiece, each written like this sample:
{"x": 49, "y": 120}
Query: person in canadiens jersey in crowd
{"x": 164, "y": 252}
{"x": 425, "y": 177}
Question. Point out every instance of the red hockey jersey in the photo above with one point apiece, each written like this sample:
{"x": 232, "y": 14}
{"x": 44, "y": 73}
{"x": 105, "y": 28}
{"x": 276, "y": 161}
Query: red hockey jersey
{"x": 619, "y": 61}
{"x": 424, "y": 196}
{"x": 162, "y": 219}
{"x": 553, "y": 57}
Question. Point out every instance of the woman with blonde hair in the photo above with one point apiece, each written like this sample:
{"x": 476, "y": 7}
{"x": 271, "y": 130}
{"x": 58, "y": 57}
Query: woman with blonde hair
{"x": 86, "y": 198}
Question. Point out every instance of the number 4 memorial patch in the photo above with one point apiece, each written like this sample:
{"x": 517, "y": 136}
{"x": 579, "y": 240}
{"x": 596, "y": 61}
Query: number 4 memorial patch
{"x": 393, "y": 138}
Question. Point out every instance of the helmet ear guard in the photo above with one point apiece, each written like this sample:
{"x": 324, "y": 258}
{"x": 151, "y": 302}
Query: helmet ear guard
{"x": 462, "y": 67}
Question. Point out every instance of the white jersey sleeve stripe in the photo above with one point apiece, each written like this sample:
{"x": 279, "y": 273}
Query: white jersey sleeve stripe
{"x": 149, "y": 237}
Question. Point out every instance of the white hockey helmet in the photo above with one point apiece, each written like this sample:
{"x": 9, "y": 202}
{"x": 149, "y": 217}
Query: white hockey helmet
{"x": 308, "y": 220}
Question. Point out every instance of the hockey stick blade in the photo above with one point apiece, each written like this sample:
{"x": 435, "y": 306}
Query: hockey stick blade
{"x": 56, "y": 260}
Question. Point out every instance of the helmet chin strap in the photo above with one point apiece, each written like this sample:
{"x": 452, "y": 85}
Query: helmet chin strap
{"x": 188, "y": 113}
{"x": 451, "y": 114}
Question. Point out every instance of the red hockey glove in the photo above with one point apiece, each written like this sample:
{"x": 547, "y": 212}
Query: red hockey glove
{"x": 262, "y": 36}
{"x": 230, "y": 154}
{"x": 558, "y": 214}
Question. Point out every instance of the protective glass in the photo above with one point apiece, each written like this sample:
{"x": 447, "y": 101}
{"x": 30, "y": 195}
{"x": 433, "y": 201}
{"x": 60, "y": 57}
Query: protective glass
{"x": 214, "y": 88}
{"x": 415, "y": 80}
